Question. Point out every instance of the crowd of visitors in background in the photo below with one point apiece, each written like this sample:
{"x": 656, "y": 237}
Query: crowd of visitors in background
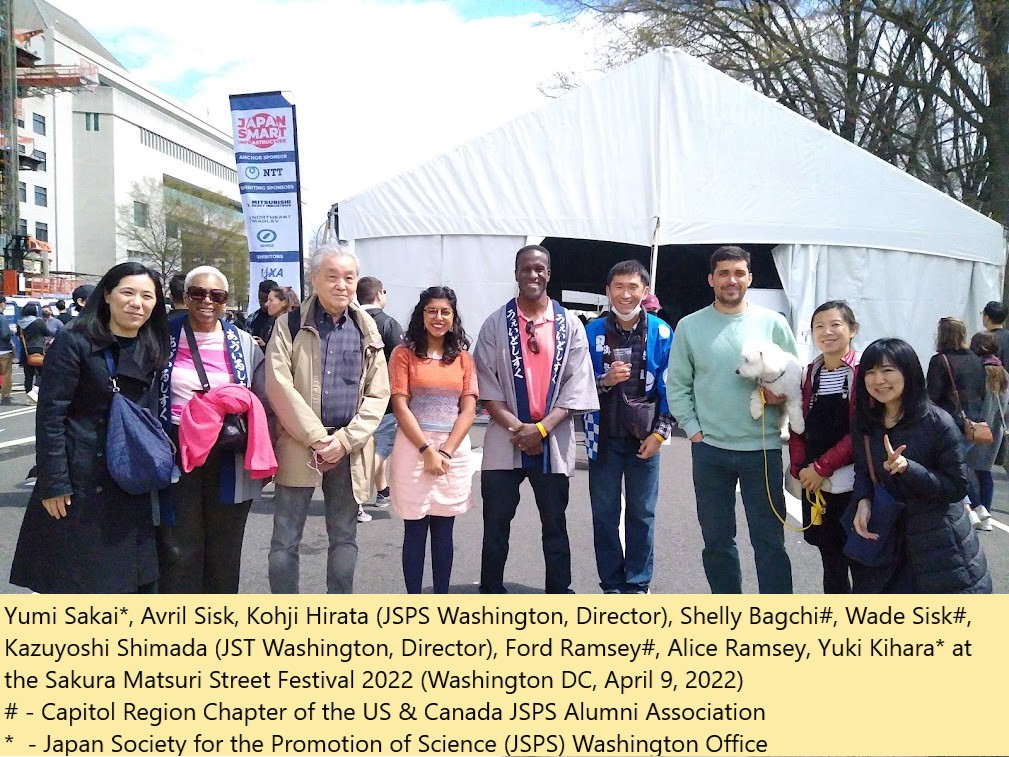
{"x": 893, "y": 464}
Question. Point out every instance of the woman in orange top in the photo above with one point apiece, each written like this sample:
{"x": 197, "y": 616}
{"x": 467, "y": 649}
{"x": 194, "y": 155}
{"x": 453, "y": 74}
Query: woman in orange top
{"x": 434, "y": 392}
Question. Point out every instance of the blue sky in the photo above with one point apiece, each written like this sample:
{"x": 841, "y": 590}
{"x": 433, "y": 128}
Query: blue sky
{"x": 380, "y": 85}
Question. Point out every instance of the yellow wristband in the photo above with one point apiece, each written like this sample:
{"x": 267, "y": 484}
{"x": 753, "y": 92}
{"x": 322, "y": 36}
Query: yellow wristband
{"x": 542, "y": 429}
{"x": 658, "y": 436}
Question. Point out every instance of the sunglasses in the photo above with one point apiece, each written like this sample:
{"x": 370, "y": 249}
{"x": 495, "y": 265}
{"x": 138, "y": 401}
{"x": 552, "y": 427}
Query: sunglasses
{"x": 199, "y": 294}
{"x": 534, "y": 346}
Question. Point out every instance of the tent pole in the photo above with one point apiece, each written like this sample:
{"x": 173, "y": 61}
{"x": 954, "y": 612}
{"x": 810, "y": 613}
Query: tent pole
{"x": 655, "y": 252}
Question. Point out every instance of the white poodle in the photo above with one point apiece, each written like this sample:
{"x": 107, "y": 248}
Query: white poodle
{"x": 777, "y": 371}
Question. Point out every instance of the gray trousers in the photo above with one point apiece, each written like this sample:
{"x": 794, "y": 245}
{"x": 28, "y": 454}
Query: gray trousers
{"x": 291, "y": 505}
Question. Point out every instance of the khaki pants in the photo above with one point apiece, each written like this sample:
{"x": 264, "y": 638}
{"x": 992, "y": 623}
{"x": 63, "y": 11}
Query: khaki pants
{"x": 6, "y": 361}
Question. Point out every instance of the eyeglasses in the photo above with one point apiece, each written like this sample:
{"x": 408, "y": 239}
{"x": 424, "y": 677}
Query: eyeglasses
{"x": 534, "y": 346}
{"x": 199, "y": 294}
{"x": 434, "y": 312}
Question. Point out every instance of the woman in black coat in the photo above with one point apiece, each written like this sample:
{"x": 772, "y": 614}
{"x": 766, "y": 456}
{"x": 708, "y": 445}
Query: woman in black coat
{"x": 81, "y": 532}
{"x": 969, "y": 384}
{"x": 914, "y": 448}
{"x": 32, "y": 333}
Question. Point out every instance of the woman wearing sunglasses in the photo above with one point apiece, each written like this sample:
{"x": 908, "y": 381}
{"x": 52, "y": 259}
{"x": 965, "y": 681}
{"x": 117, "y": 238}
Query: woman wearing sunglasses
{"x": 203, "y": 518}
{"x": 434, "y": 391}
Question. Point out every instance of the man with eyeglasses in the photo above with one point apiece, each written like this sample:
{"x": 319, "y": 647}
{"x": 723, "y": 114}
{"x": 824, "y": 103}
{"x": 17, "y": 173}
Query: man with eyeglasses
{"x": 328, "y": 384}
{"x": 535, "y": 375}
{"x": 371, "y": 295}
{"x": 630, "y": 355}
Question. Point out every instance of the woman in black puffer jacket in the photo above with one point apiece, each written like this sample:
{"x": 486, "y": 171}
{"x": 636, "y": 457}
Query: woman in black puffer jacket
{"x": 915, "y": 450}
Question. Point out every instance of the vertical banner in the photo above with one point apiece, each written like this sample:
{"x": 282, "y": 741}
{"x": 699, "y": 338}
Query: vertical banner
{"x": 269, "y": 181}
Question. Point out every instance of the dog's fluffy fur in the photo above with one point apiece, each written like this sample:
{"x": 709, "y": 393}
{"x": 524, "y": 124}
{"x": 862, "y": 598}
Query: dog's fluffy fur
{"x": 779, "y": 372}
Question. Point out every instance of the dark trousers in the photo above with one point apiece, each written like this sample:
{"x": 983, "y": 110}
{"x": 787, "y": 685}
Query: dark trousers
{"x": 202, "y": 552}
{"x": 716, "y": 472}
{"x": 415, "y": 548}
{"x": 500, "y": 491}
{"x": 30, "y": 375}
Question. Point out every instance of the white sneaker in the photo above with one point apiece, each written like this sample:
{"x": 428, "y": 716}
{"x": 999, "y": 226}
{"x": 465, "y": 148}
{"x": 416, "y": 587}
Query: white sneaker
{"x": 362, "y": 516}
{"x": 984, "y": 525}
{"x": 982, "y": 513}
{"x": 975, "y": 521}
{"x": 33, "y": 396}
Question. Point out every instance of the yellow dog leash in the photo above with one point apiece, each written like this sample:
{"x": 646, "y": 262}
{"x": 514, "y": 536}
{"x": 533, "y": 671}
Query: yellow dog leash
{"x": 817, "y": 505}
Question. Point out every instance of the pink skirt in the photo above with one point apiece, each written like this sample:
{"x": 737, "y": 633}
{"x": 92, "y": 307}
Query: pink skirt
{"x": 416, "y": 493}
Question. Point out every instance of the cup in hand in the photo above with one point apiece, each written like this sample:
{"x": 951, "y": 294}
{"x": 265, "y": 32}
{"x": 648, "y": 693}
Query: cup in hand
{"x": 622, "y": 354}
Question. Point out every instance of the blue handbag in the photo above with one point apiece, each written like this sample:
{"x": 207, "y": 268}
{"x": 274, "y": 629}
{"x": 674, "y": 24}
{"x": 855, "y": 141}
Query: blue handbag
{"x": 886, "y": 510}
{"x": 138, "y": 452}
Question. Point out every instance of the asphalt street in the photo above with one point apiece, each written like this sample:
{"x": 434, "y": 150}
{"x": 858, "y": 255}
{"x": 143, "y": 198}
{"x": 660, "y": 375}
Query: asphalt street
{"x": 677, "y": 545}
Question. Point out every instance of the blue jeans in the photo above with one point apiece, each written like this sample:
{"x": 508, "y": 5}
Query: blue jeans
{"x": 716, "y": 472}
{"x": 500, "y": 492}
{"x": 385, "y": 435}
{"x": 290, "y": 513}
{"x": 986, "y": 488}
{"x": 628, "y": 568}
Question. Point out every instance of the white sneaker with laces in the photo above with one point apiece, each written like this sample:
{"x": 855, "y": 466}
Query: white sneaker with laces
{"x": 362, "y": 516}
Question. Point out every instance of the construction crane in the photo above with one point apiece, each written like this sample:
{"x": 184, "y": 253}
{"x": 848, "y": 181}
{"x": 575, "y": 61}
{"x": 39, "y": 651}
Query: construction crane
{"x": 22, "y": 76}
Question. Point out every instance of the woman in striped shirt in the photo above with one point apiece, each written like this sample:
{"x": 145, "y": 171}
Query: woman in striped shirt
{"x": 821, "y": 458}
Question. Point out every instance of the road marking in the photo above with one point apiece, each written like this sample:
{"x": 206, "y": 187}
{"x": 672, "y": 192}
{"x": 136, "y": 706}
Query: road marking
{"x": 19, "y": 411}
{"x": 18, "y": 442}
{"x": 998, "y": 525}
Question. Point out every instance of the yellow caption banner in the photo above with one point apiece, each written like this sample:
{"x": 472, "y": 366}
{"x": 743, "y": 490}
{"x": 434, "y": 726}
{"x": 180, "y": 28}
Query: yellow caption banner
{"x": 508, "y": 675}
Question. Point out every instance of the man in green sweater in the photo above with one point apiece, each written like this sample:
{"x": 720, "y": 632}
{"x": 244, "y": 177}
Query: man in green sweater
{"x": 711, "y": 403}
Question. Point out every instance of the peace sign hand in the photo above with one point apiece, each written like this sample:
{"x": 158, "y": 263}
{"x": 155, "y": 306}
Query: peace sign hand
{"x": 895, "y": 460}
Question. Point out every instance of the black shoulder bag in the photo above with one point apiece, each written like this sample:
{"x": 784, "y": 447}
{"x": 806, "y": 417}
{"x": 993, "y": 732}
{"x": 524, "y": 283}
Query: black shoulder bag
{"x": 234, "y": 436}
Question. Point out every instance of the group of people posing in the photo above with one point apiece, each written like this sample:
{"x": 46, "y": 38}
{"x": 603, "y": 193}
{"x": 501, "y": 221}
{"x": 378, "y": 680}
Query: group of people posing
{"x": 333, "y": 378}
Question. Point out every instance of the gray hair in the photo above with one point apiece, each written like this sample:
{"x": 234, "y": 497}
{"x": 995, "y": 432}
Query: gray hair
{"x": 206, "y": 270}
{"x": 339, "y": 249}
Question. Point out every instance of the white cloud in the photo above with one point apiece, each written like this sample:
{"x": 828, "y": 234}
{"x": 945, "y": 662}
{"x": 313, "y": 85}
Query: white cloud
{"x": 379, "y": 86}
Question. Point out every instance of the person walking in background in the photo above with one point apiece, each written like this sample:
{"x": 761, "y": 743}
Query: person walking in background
{"x": 32, "y": 333}
{"x": 260, "y": 323}
{"x": 821, "y": 456}
{"x": 82, "y": 294}
{"x": 200, "y": 541}
{"x": 81, "y": 532}
{"x": 630, "y": 355}
{"x": 371, "y": 295}
{"x": 912, "y": 448}
{"x": 6, "y": 355}
{"x": 994, "y": 412}
{"x": 62, "y": 313}
{"x": 711, "y": 403}
{"x": 993, "y": 317}
{"x": 328, "y": 385}
{"x": 433, "y": 388}
{"x": 535, "y": 374}
{"x": 177, "y": 295}
{"x": 956, "y": 382}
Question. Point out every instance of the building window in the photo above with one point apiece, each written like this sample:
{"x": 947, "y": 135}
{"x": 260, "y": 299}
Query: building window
{"x": 41, "y": 158}
{"x": 91, "y": 122}
{"x": 139, "y": 213}
{"x": 21, "y": 149}
{"x": 41, "y": 197}
{"x": 21, "y": 123}
{"x": 23, "y": 227}
{"x": 42, "y": 231}
{"x": 39, "y": 124}
{"x": 22, "y": 191}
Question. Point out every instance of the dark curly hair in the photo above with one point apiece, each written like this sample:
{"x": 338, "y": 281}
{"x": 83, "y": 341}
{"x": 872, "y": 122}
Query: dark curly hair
{"x": 416, "y": 335}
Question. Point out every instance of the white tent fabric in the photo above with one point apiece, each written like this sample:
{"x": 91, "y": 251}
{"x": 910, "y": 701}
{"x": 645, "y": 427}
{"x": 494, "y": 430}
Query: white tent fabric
{"x": 668, "y": 140}
{"x": 893, "y": 292}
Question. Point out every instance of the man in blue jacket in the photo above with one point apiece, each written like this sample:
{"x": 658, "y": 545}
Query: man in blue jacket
{"x": 630, "y": 353}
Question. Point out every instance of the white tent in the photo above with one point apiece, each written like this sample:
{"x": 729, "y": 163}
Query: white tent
{"x": 668, "y": 151}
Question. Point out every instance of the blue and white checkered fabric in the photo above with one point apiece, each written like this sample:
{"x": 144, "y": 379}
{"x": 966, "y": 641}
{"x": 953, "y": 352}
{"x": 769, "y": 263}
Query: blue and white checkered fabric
{"x": 591, "y": 423}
